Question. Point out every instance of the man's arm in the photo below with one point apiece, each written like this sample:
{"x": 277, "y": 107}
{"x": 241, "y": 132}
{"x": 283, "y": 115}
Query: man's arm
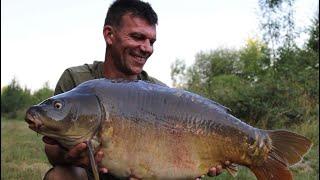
{"x": 65, "y": 83}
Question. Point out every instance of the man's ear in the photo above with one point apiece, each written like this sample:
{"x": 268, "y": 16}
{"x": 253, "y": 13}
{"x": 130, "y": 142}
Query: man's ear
{"x": 108, "y": 32}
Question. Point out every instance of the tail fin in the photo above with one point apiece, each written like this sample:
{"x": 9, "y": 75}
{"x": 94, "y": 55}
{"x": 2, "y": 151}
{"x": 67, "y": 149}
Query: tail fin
{"x": 287, "y": 149}
{"x": 289, "y": 146}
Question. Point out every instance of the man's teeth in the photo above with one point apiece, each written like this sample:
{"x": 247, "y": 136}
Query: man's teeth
{"x": 139, "y": 57}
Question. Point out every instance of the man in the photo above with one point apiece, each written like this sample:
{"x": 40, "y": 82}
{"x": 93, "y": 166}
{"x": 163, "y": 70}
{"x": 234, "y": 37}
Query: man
{"x": 129, "y": 32}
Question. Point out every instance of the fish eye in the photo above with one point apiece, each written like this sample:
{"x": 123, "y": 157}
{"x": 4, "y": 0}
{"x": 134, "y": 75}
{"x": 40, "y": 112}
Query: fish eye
{"x": 57, "y": 104}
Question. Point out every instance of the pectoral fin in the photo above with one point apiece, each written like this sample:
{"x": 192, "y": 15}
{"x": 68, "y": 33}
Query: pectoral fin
{"x": 232, "y": 169}
{"x": 92, "y": 161}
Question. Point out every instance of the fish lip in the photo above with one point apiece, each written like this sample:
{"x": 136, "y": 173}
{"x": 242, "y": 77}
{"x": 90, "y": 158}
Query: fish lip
{"x": 29, "y": 119}
{"x": 34, "y": 123}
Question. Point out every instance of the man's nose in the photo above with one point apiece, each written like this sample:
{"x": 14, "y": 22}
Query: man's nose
{"x": 147, "y": 47}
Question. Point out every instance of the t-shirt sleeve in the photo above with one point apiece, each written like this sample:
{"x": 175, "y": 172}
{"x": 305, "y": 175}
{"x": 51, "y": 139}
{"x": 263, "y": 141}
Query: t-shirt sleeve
{"x": 65, "y": 83}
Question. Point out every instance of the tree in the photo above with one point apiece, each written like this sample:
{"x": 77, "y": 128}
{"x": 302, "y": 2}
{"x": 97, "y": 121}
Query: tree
{"x": 178, "y": 72}
{"x": 271, "y": 84}
{"x": 13, "y": 98}
{"x": 42, "y": 94}
{"x": 313, "y": 41}
{"x": 254, "y": 60}
{"x": 207, "y": 66}
{"x": 277, "y": 24}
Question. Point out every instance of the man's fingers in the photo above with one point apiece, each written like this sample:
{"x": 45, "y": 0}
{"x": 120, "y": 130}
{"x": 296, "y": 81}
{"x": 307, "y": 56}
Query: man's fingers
{"x": 99, "y": 156}
{"x": 227, "y": 163}
{"x": 219, "y": 169}
{"x": 199, "y": 178}
{"x": 103, "y": 170}
{"x": 76, "y": 151}
{"x": 213, "y": 171}
{"x": 74, "y": 155}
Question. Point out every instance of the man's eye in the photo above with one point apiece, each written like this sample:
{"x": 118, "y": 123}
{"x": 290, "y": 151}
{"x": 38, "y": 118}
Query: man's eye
{"x": 138, "y": 37}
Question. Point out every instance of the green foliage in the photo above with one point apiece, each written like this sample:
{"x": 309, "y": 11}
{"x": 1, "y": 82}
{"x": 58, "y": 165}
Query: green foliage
{"x": 15, "y": 100}
{"x": 267, "y": 91}
{"x": 270, "y": 95}
{"x": 220, "y": 60}
{"x": 254, "y": 60}
{"x": 42, "y": 94}
{"x": 313, "y": 42}
{"x": 201, "y": 74}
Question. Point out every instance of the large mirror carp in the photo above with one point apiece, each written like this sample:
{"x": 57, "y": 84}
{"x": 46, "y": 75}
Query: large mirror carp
{"x": 151, "y": 131}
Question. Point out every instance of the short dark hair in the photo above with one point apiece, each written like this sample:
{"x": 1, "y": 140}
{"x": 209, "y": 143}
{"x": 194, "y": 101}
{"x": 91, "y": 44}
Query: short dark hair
{"x": 136, "y": 7}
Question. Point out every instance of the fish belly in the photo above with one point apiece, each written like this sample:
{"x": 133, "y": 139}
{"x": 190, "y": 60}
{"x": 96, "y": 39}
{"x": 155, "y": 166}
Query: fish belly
{"x": 150, "y": 152}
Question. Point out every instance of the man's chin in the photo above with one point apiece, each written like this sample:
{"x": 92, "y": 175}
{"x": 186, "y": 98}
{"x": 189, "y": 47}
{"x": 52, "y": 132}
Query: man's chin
{"x": 136, "y": 71}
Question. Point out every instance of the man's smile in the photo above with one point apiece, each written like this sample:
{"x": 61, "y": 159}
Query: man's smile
{"x": 140, "y": 59}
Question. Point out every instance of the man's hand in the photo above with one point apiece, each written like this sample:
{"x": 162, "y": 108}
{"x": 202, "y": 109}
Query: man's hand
{"x": 76, "y": 156}
{"x": 215, "y": 171}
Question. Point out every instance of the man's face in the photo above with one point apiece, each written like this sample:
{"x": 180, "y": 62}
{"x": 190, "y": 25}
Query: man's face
{"x": 132, "y": 44}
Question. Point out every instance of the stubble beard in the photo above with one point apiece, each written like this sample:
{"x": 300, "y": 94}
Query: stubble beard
{"x": 127, "y": 67}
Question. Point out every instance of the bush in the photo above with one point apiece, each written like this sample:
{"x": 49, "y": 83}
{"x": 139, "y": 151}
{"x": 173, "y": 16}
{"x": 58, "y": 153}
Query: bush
{"x": 264, "y": 93}
{"x": 15, "y": 100}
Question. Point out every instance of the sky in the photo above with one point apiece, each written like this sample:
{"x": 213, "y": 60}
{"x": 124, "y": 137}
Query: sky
{"x": 41, "y": 38}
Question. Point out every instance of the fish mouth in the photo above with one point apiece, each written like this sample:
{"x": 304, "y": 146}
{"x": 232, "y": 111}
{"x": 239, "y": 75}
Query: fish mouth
{"x": 40, "y": 123}
{"x": 34, "y": 123}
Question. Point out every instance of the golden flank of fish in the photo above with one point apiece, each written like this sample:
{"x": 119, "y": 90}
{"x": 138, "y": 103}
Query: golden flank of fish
{"x": 155, "y": 132}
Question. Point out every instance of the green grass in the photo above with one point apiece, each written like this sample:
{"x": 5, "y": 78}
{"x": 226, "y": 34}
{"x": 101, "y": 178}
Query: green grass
{"x": 23, "y": 157}
{"x": 22, "y": 152}
{"x": 308, "y": 168}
